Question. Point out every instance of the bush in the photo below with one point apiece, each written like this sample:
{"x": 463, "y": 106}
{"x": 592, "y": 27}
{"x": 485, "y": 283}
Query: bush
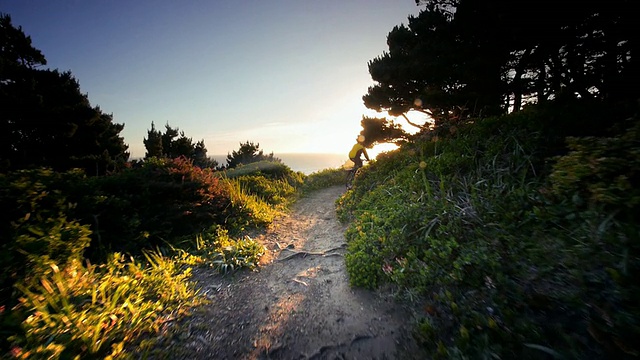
{"x": 149, "y": 206}
{"x": 275, "y": 192}
{"x": 497, "y": 261}
{"x": 274, "y": 170}
{"x": 39, "y": 227}
{"x": 324, "y": 179}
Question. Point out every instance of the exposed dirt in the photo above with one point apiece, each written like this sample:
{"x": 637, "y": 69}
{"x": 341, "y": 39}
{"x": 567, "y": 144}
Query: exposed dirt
{"x": 299, "y": 305}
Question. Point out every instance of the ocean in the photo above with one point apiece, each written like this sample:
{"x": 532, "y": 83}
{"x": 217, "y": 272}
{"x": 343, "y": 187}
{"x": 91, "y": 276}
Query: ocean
{"x": 306, "y": 163}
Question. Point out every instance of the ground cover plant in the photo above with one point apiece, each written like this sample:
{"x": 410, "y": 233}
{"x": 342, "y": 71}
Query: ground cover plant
{"x": 324, "y": 178}
{"x": 507, "y": 241}
{"x": 94, "y": 266}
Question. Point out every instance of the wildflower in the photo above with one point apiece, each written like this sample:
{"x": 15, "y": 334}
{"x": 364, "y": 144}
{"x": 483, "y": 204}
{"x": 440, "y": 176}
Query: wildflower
{"x": 16, "y": 351}
{"x": 387, "y": 269}
{"x": 423, "y": 165}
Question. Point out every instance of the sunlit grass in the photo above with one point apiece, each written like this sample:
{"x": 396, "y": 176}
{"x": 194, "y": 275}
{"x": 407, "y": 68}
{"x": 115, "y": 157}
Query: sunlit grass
{"x": 324, "y": 178}
{"x": 216, "y": 249}
{"x": 95, "y": 311}
{"x": 117, "y": 309}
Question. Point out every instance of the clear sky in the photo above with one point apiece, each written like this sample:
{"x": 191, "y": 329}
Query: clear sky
{"x": 287, "y": 74}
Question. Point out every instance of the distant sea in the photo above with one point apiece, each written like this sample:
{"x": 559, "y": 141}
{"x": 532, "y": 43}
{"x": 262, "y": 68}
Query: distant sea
{"x": 306, "y": 163}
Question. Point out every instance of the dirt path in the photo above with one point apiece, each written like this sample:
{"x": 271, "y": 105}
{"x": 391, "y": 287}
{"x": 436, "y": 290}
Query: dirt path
{"x": 299, "y": 305}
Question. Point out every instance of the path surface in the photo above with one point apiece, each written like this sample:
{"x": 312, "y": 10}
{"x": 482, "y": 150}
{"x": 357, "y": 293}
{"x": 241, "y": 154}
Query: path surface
{"x": 298, "y": 306}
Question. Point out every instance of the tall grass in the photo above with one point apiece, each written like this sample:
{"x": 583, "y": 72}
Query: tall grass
{"x": 100, "y": 311}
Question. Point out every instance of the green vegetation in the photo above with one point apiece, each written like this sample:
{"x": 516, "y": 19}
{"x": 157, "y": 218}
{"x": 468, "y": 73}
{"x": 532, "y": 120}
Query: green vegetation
{"x": 324, "y": 179}
{"x": 45, "y": 119}
{"x": 74, "y": 206}
{"x": 167, "y": 215}
{"x": 503, "y": 248}
{"x": 510, "y": 220}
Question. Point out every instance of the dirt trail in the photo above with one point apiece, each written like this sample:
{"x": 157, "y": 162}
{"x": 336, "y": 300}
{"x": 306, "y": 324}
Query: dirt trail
{"x": 299, "y": 304}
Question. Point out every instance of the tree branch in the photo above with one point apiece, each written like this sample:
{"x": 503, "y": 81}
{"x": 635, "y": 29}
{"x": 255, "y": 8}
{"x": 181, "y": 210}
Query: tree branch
{"x": 410, "y": 123}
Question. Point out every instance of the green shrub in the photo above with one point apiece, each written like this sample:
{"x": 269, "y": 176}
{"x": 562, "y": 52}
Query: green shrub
{"x": 275, "y": 192}
{"x": 270, "y": 169}
{"x": 324, "y": 178}
{"x": 594, "y": 207}
{"x": 38, "y": 227}
{"x": 499, "y": 263}
{"x": 145, "y": 207}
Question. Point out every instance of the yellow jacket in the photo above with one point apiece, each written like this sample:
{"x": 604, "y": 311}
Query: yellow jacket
{"x": 356, "y": 150}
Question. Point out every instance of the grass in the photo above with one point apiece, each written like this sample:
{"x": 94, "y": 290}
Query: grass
{"x": 502, "y": 252}
{"x": 98, "y": 311}
{"x": 118, "y": 308}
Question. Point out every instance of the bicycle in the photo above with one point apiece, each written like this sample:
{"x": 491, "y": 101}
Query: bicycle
{"x": 351, "y": 175}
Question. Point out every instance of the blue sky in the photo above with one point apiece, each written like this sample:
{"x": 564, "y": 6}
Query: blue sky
{"x": 287, "y": 74}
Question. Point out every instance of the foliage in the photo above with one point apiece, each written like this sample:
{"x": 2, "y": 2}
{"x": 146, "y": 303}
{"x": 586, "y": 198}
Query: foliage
{"x": 381, "y": 130}
{"x": 464, "y": 59}
{"x": 277, "y": 193}
{"x": 247, "y": 210}
{"x": 37, "y": 226}
{"x": 55, "y": 219}
{"x": 98, "y": 311}
{"x": 170, "y": 145}
{"x": 271, "y": 170}
{"x": 323, "y": 179}
{"x": 500, "y": 253}
{"x": 46, "y": 120}
{"x": 248, "y": 153}
{"x": 593, "y": 191}
{"x": 147, "y": 206}
{"x": 215, "y": 248}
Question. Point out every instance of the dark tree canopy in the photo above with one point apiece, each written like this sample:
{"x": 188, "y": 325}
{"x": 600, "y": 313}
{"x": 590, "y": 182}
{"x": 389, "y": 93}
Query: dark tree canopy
{"x": 173, "y": 143}
{"x": 46, "y": 121}
{"x": 248, "y": 152}
{"x": 381, "y": 130}
{"x": 461, "y": 59}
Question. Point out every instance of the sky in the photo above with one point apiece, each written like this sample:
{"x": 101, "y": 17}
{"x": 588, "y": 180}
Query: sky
{"x": 286, "y": 74}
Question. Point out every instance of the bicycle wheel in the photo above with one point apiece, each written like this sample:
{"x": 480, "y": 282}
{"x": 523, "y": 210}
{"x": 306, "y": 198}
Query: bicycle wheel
{"x": 350, "y": 176}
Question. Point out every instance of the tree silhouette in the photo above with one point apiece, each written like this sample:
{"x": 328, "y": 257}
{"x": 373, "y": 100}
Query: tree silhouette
{"x": 173, "y": 143}
{"x": 460, "y": 59}
{"x": 248, "y": 152}
{"x": 153, "y": 142}
{"x": 46, "y": 120}
{"x": 381, "y": 130}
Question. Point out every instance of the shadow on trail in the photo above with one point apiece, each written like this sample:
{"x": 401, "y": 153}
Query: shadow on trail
{"x": 300, "y": 305}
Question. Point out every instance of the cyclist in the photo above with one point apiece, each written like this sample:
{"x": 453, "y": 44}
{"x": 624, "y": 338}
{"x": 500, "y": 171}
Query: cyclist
{"x": 357, "y": 150}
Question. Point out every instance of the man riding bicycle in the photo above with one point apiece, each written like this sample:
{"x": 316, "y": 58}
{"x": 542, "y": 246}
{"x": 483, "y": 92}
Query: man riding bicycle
{"x": 357, "y": 150}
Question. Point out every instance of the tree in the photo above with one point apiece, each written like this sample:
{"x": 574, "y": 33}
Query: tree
{"x": 381, "y": 130}
{"x": 16, "y": 51}
{"x": 429, "y": 69}
{"x": 173, "y": 143}
{"x": 460, "y": 59}
{"x": 248, "y": 153}
{"x": 46, "y": 121}
{"x": 200, "y": 156}
{"x": 153, "y": 142}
